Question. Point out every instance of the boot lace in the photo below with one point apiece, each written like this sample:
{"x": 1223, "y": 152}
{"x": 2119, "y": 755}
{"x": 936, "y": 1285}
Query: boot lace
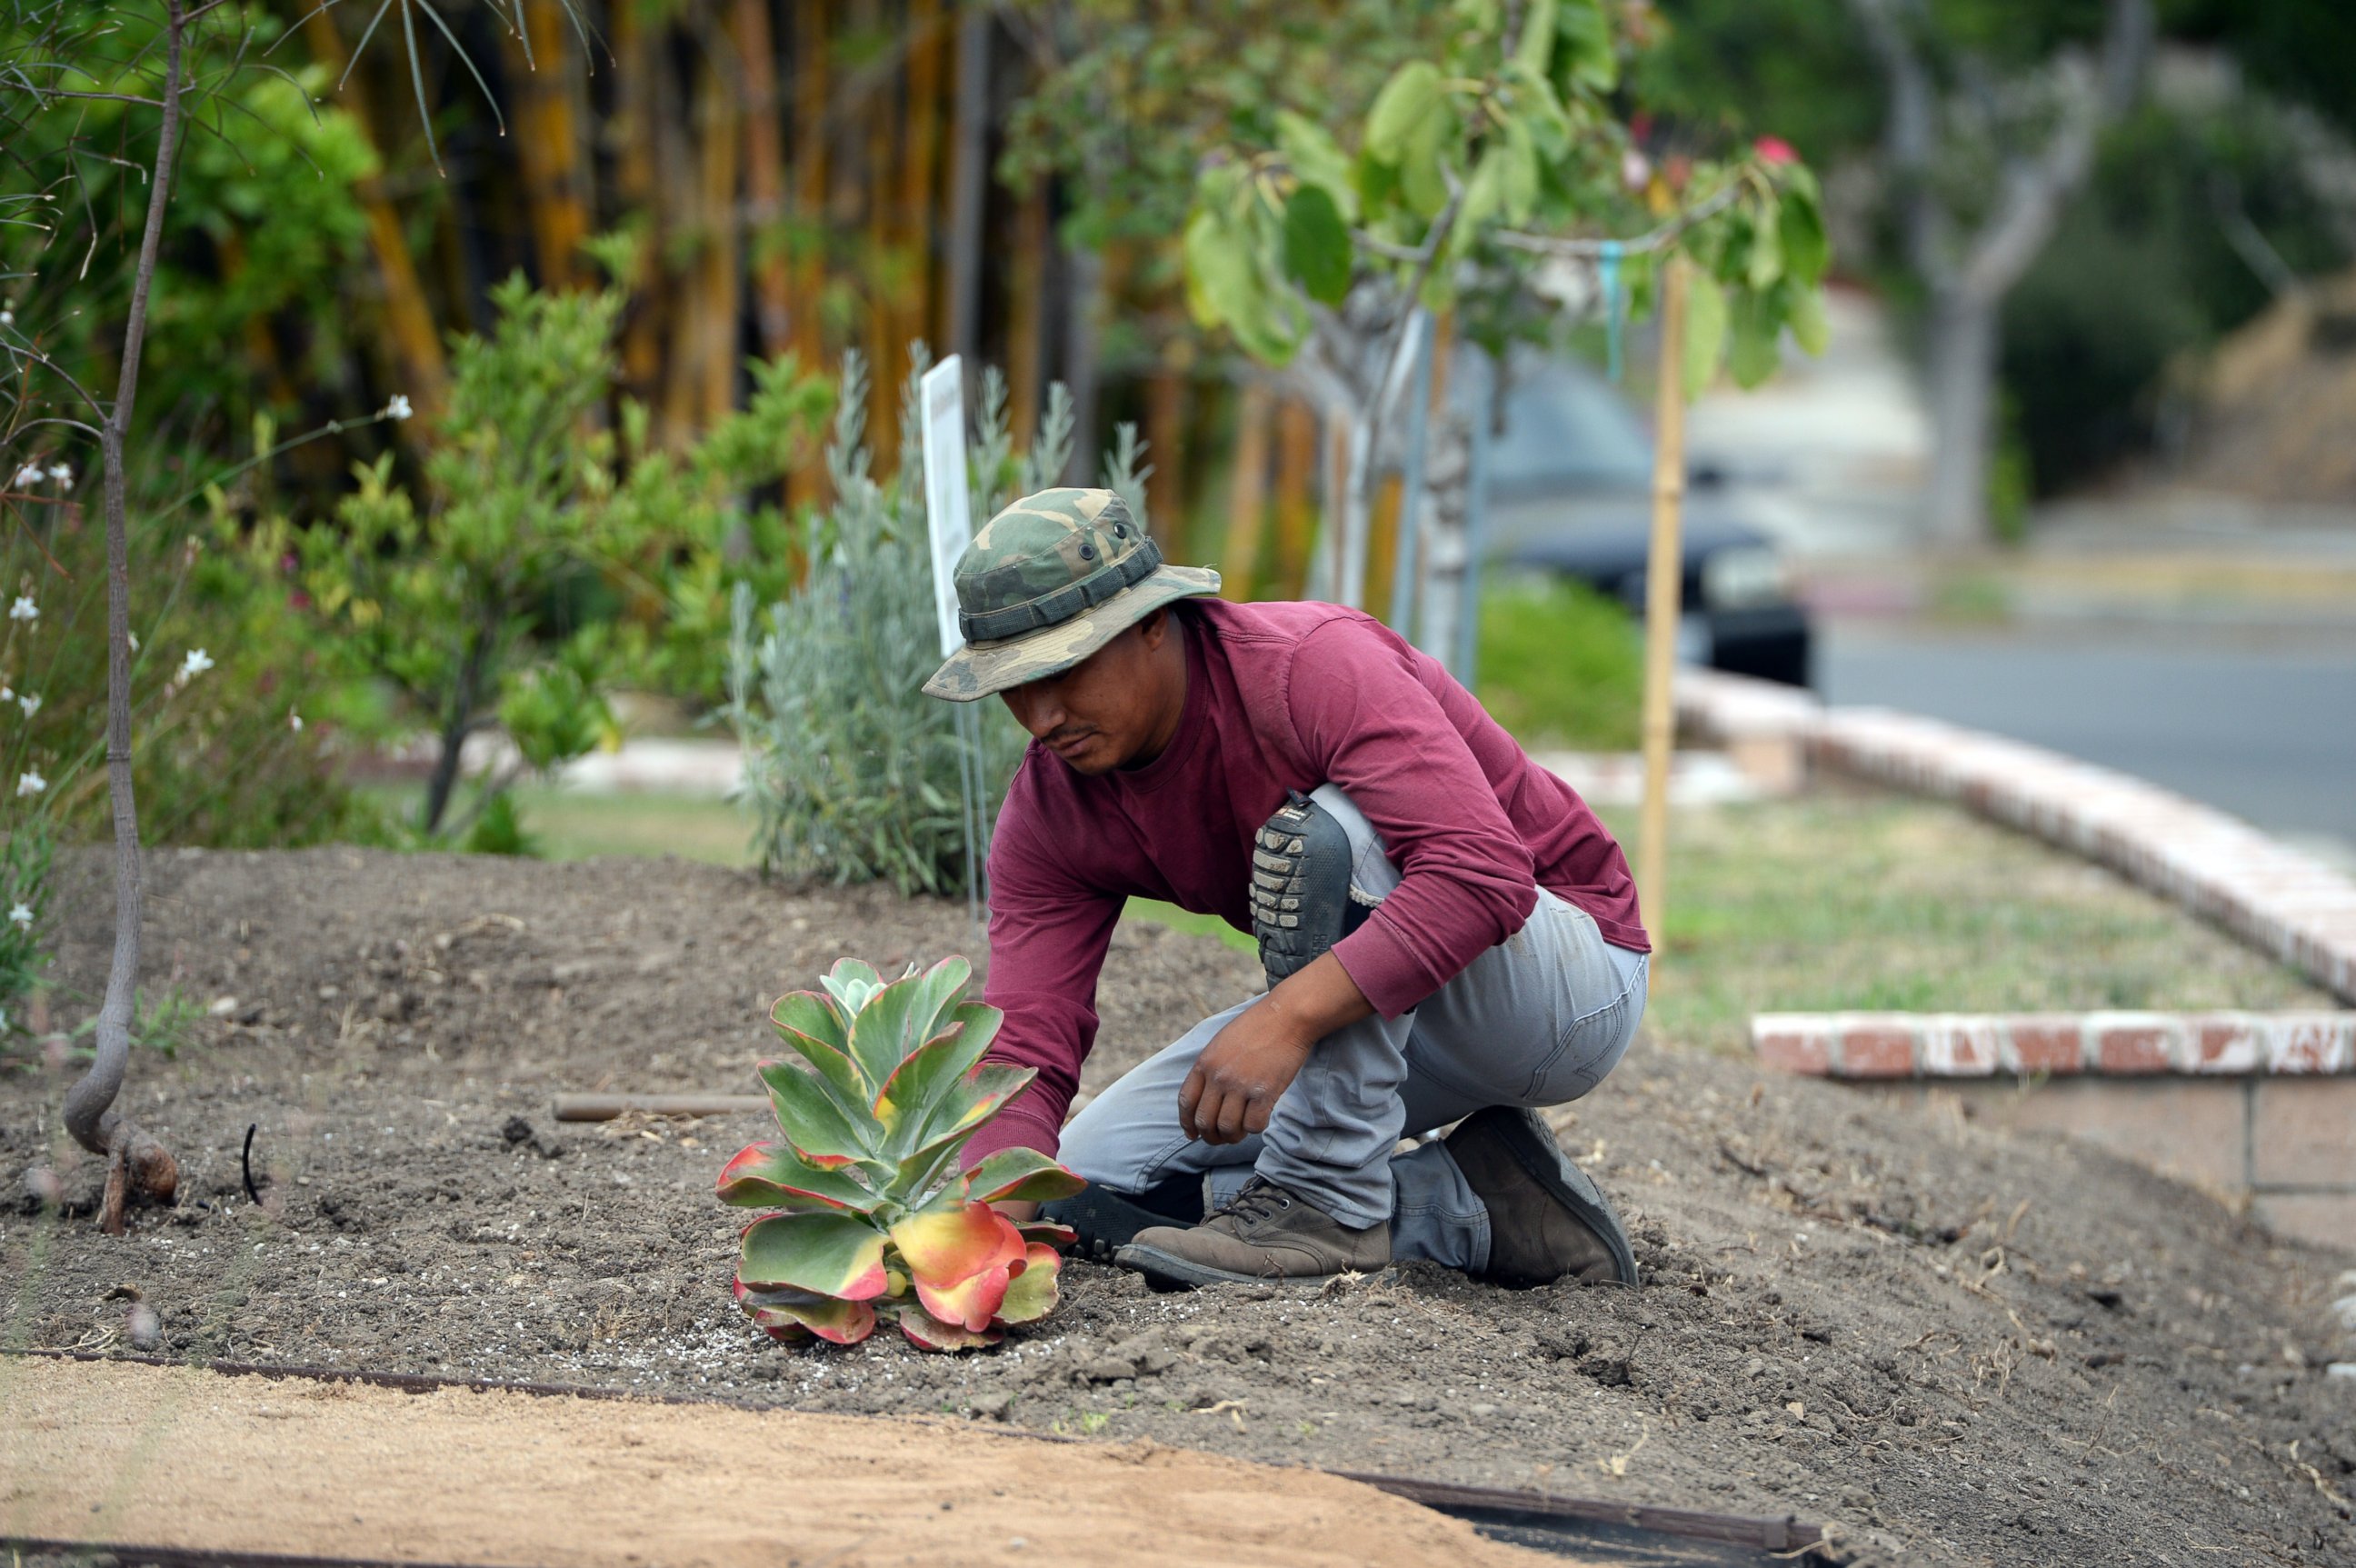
{"x": 1258, "y": 1200}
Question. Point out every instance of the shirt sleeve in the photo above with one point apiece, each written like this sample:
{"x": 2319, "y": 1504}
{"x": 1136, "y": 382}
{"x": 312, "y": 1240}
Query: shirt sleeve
{"x": 1048, "y": 934}
{"x": 1368, "y": 724}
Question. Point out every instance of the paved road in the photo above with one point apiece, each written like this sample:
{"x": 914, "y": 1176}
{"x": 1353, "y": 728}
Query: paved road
{"x": 2266, "y": 732}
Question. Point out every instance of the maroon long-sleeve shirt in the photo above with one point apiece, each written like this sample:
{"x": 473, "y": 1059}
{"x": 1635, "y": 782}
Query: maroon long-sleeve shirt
{"x": 1280, "y": 696}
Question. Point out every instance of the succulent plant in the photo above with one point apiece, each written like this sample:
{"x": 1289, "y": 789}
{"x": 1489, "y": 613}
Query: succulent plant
{"x": 870, "y": 1213}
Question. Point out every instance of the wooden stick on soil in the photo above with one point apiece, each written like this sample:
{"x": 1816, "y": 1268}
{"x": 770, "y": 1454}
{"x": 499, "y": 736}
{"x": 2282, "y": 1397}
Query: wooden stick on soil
{"x": 606, "y": 1107}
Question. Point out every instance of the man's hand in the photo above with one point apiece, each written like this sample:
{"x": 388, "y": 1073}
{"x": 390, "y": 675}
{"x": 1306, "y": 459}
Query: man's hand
{"x": 1248, "y": 1065}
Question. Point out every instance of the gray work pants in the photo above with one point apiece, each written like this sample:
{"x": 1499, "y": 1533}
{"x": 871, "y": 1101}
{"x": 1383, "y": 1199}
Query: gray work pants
{"x": 1537, "y": 1020}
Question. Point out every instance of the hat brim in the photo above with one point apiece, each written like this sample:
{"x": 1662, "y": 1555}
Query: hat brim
{"x": 978, "y": 668}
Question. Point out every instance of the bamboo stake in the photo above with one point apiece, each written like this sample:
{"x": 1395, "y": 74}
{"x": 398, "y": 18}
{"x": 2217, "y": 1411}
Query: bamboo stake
{"x": 1247, "y": 494}
{"x": 1663, "y": 590}
{"x": 1165, "y": 444}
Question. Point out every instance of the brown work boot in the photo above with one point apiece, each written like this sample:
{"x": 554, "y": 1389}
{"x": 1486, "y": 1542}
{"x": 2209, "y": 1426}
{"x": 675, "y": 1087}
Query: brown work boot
{"x": 1265, "y": 1232}
{"x": 1548, "y": 1220}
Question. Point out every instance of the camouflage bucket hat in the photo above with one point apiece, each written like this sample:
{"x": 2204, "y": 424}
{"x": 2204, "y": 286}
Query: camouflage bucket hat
{"x": 1049, "y": 581}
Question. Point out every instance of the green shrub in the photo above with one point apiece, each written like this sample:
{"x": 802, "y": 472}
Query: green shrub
{"x": 852, "y": 772}
{"x": 1560, "y": 665}
{"x": 234, "y": 708}
{"x": 468, "y": 602}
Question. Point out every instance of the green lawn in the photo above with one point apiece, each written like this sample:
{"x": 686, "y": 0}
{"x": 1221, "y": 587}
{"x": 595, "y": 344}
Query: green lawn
{"x": 1857, "y": 901}
{"x": 1845, "y": 899}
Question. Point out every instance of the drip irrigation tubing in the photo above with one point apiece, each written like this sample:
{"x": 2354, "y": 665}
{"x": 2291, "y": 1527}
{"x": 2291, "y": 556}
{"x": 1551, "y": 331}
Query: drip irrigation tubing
{"x": 1788, "y": 1537}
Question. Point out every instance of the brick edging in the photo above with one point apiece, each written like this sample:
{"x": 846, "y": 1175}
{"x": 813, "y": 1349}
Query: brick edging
{"x": 1984, "y": 1045}
{"x": 2287, "y": 903}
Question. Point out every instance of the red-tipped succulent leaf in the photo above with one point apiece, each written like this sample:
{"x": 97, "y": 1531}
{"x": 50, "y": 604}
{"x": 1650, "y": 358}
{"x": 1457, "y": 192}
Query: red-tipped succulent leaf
{"x": 835, "y": 1254}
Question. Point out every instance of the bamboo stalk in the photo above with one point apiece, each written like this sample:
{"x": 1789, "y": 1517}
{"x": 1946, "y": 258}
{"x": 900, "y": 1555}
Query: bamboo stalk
{"x": 1026, "y": 321}
{"x": 413, "y": 346}
{"x": 1248, "y": 492}
{"x": 919, "y": 161}
{"x": 764, "y": 175}
{"x": 806, "y": 485}
{"x": 632, "y": 134}
{"x": 1165, "y": 444}
{"x": 1663, "y": 589}
{"x": 1296, "y": 521}
{"x": 548, "y": 143}
{"x": 721, "y": 259}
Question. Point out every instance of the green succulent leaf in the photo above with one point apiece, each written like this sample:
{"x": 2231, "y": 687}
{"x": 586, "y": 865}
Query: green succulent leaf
{"x": 825, "y": 1254}
{"x": 902, "y": 1016}
{"x": 1049, "y": 1233}
{"x": 1022, "y": 1176}
{"x": 1317, "y": 244}
{"x": 792, "y": 1315}
{"x": 926, "y": 1332}
{"x": 1031, "y": 1294}
{"x": 815, "y": 1123}
{"x": 852, "y": 982}
{"x": 770, "y": 1175}
{"x": 1409, "y": 99}
{"x": 1705, "y": 322}
{"x": 810, "y": 1026}
{"x": 913, "y": 1099}
{"x": 978, "y": 1096}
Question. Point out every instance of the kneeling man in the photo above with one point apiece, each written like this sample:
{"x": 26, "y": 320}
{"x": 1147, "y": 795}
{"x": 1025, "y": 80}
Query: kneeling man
{"x": 1449, "y": 934}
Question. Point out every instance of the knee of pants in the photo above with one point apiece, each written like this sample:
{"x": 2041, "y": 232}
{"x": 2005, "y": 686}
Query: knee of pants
{"x": 1371, "y": 870}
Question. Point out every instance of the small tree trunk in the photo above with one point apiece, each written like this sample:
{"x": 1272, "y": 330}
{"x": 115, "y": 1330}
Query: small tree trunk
{"x": 1026, "y": 324}
{"x": 806, "y": 485}
{"x": 135, "y": 1162}
{"x": 968, "y": 181}
{"x": 1962, "y": 368}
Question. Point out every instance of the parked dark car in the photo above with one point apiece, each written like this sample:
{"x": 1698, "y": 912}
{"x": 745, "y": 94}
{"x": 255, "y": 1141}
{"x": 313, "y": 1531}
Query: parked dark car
{"x": 1570, "y": 492}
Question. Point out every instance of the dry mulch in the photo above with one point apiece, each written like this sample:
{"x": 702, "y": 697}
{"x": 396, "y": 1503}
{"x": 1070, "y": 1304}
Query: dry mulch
{"x": 1955, "y": 1345}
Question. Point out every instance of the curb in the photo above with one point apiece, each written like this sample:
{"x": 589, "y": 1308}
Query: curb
{"x": 2116, "y": 1044}
{"x": 2287, "y": 903}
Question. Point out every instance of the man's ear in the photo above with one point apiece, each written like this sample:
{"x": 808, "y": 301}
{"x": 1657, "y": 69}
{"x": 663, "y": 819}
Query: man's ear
{"x": 1153, "y": 628}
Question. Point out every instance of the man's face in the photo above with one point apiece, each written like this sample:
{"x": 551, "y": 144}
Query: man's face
{"x": 1113, "y": 708}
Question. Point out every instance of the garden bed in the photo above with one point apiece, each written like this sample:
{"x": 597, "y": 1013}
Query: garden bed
{"x": 1949, "y": 1342}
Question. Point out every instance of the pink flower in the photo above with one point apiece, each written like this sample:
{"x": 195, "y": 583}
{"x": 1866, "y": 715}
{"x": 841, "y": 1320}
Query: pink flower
{"x": 1774, "y": 150}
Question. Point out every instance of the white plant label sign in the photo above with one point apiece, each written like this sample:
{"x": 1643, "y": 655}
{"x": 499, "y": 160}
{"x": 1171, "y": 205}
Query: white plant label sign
{"x": 948, "y": 512}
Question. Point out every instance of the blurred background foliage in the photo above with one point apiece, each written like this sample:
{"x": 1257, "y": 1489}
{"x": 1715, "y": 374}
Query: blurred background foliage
{"x": 756, "y": 187}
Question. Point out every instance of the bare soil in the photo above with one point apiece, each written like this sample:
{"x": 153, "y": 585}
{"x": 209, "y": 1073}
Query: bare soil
{"x": 1955, "y": 1345}
{"x": 239, "y": 1463}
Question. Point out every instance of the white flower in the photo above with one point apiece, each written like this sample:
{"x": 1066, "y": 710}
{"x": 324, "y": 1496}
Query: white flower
{"x": 31, "y": 703}
{"x": 196, "y": 664}
{"x": 398, "y": 408}
{"x": 28, "y": 476}
{"x": 23, "y": 916}
{"x": 295, "y": 721}
{"x": 24, "y": 609}
{"x": 7, "y": 318}
{"x": 30, "y": 784}
{"x": 134, "y": 640}
{"x": 62, "y": 475}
